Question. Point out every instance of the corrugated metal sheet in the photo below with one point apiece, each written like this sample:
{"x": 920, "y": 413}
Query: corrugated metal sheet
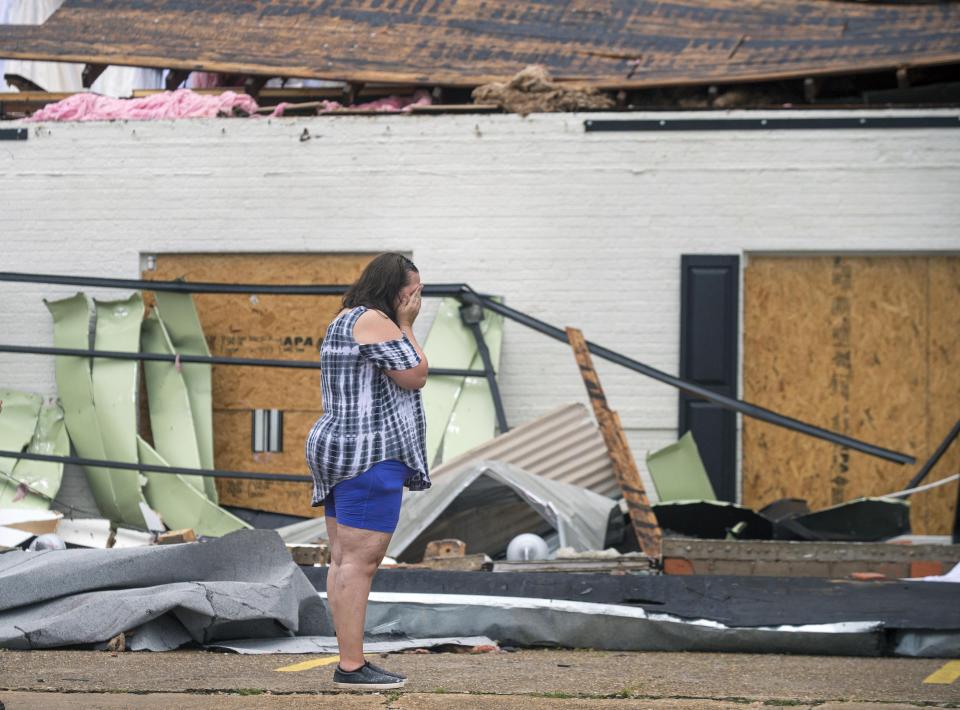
{"x": 468, "y": 504}
{"x": 625, "y": 44}
{"x": 486, "y": 504}
{"x": 564, "y": 445}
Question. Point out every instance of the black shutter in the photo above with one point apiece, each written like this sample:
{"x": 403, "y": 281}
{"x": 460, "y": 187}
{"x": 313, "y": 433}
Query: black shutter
{"x": 709, "y": 308}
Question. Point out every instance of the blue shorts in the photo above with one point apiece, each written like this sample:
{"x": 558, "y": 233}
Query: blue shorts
{"x": 371, "y": 500}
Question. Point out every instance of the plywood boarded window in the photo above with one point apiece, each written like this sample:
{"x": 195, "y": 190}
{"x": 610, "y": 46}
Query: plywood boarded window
{"x": 867, "y": 346}
{"x": 264, "y": 326}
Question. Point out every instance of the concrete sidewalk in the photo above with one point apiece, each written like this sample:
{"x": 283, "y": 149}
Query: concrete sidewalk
{"x": 521, "y": 679}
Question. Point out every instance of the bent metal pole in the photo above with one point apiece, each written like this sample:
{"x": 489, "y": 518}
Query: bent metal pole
{"x": 750, "y": 410}
{"x": 467, "y": 294}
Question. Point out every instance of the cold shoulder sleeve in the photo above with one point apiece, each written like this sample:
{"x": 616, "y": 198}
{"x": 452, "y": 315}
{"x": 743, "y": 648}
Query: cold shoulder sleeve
{"x": 396, "y": 354}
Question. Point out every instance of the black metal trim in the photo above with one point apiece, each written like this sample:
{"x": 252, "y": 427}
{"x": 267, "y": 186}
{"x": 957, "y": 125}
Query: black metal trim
{"x": 935, "y": 457}
{"x": 200, "y": 359}
{"x": 199, "y": 287}
{"x": 13, "y": 134}
{"x": 750, "y": 410}
{"x": 768, "y": 124}
{"x": 467, "y": 294}
{"x": 123, "y": 465}
{"x": 279, "y": 448}
{"x": 490, "y": 374}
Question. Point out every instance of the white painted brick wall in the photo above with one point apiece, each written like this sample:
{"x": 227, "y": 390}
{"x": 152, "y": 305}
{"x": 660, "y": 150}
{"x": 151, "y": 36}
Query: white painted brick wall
{"x": 574, "y": 228}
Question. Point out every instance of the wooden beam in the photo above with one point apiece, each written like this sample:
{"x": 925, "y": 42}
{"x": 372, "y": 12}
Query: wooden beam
{"x": 903, "y": 78}
{"x": 22, "y": 83}
{"x": 618, "y": 565}
{"x": 22, "y": 102}
{"x": 175, "y": 78}
{"x": 254, "y": 84}
{"x": 350, "y": 93}
{"x": 91, "y": 72}
{"x": 447, "y": 547}
{"x": 625, "y": 469}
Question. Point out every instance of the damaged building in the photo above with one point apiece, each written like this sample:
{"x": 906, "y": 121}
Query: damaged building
{"x": 692, "y": 312}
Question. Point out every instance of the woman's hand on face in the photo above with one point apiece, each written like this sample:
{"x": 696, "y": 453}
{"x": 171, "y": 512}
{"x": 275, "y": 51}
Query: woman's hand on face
{"x": 409, "y": 307}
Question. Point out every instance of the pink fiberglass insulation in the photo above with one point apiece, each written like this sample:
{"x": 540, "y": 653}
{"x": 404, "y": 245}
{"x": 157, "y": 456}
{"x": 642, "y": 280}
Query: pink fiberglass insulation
{"x": 181, "y": 103}
{"x": 184, "y": 103}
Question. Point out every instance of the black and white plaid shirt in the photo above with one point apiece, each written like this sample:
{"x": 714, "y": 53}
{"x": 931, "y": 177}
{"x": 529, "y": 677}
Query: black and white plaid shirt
{"x": 367, "y": 417}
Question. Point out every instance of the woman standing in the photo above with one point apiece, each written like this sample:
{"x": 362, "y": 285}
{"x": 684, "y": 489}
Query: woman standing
{"x": 369, "y": 444}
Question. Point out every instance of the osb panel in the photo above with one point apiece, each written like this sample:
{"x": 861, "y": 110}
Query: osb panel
{"x": 844, "y": 343}
{"x": 888, "y": 348}
{"x": 263, "y": 326}
{"x": 470, "y": 42}
{"x": 943, "y": 393}
{"x": 233, "y": 451}
{"x": 789, "y": 366}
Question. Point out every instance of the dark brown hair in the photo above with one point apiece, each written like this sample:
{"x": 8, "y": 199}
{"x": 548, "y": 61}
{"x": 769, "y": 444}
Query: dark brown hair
{"x": 380, "y": 283}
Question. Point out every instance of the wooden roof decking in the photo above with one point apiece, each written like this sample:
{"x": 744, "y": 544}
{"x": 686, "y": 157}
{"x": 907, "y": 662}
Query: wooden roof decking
{"x": 608, "y": 43}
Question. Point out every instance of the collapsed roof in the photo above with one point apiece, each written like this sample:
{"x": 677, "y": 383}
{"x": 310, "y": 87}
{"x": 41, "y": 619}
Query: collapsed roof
{"x": 635, "y": 44}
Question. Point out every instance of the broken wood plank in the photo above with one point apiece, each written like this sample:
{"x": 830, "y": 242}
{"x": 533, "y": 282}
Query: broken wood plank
{"x": 775, "y": 558}
{"x": 455, "y": 108}
{"x": 309, "y": 554}
{"x": 644, "y": 43}
{"x": 617, "y": 565}
{"x": 334, "y": 92}
{"x": 16, "y": 103}
{"x": 304, "y": 106}
{"x": 174, "y": 537}
{"x": 466, "y": 563}
{"x": 118, "y": 644}
{"x": 477, "y": 562}
{"x": 645, "y": 525}
{"x": 35, "y": 522}
{"x": 39, "y": 96}
{"x": 448, "y": 547}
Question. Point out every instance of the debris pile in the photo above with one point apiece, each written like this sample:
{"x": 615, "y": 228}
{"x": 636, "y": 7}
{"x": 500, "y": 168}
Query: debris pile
{"x": 241, "y": 586}
{"x": 533, "y": 91}
{"x": 543, "y": 534}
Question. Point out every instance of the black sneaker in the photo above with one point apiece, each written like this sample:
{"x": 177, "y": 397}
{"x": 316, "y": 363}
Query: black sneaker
{"x": 378, "y": 669}
{"x": 365, "y": 677}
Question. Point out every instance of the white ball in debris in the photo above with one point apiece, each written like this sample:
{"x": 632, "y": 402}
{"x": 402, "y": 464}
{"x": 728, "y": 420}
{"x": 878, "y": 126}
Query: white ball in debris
{"x": 527, "y": 546}
{"x": 47, "y": 541}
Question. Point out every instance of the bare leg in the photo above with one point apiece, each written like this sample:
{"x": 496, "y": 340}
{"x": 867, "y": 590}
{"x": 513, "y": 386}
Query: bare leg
{"x": 357, "y": 555}
{"x": 332, "y": 566}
